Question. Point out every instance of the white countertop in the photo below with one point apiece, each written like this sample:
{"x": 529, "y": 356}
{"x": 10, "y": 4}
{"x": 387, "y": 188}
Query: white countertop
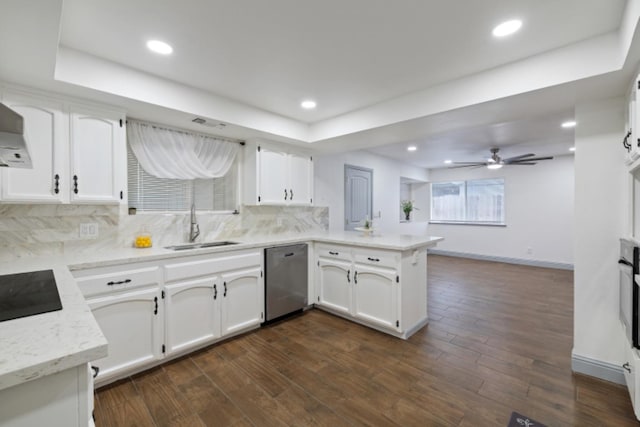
{"x": 35, "y": 346}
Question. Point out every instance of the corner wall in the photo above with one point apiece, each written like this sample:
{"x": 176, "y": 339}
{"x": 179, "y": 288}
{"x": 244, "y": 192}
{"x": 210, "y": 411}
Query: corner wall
{"x": 329, "y": 189}
{"x": 601, "y": 205}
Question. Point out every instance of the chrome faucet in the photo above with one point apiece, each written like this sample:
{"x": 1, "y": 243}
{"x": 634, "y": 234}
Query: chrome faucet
{"x": 194, "y": 230}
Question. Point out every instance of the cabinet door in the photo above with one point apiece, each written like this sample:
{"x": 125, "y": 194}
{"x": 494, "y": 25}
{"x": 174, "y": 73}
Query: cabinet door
{"x": 98, "y": 157}
{"x": 334, "y": 280}
{"x": 272, "y": 177}
{"x": 376, "y": 296}
{"x": 47, "y": 135}
{"x": 191, "y": 313}
{"x": 242, "y": 300}
{"x": 131, "y": 323}
{"x": 300, "y": 178}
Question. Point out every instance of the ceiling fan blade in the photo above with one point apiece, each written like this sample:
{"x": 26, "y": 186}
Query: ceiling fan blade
{"x": 469, "y": 163}
{"x": 521, "y": 163}
{"x": 532, "y": 159}
{"x": 511, "y": 159}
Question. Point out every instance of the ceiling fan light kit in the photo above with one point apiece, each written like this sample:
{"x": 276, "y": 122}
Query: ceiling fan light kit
{"x": 496, "y": 162}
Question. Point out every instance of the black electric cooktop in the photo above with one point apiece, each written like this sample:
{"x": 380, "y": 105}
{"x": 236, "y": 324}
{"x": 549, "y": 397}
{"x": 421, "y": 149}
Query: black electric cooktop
{"x": 27, "y": 294}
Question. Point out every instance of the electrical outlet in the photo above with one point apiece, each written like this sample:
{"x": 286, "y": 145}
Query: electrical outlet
{"x": 529, "y": 251}
{"x": 89, "y": 230}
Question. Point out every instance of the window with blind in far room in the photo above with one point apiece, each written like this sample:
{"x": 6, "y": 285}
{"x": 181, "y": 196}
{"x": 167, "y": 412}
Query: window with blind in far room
{"x": 478, "y": 201}
{"x": 148, "y": 193}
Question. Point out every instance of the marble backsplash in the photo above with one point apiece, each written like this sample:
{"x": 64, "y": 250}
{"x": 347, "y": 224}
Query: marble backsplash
{"x": 40, "y": 230}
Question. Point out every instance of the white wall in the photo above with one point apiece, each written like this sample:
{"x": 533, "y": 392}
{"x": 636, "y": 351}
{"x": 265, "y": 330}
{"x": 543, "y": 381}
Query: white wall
{"x": 538, "y": 212}
{"x": 329, "y": 189}
{"x": 601, "y": 209}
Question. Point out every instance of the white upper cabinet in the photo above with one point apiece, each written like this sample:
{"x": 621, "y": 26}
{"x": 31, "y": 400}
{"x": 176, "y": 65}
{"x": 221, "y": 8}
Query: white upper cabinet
{"x": 78, "y": 153}
{"x": 46, "y": 131}
{"x": 273, "y": 179}
{"x": 631, "y": 137}
{"x": 276, "y": 175}
{"x": 300, "y": 179}
{"x": 98, "y": 155}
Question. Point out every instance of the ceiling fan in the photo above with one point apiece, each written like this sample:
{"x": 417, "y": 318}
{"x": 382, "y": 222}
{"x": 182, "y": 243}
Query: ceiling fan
{"x": 496, "y": 162}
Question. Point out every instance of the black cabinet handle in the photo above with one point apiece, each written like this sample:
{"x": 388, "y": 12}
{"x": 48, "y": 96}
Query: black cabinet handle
{"x": 374, "y": 259}
{"x": 155, "y": 300}
{"x": 348, "y": 278}
{"x": 291, "y": 196}
{"x": 624, "y": 141}
{"x": 289, "y": 254}
{"x": 215, "y": 291}
{"x": 119, "y": 283}
{"x": 625, "y": 262}
{"x": 333, "y": 253}
{"x": 285, "y": 194}
{"x": 56, "y": 185}
{"x": 225, "y": 289}
{"x": 355, "y": 277}
{"x": 75, "y": 184}
{"x": 626, "y": 367}
{"x": 96, "y": 371}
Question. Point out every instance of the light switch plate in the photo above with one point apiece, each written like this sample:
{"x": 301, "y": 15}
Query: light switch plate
{"x": 89, "y": 230}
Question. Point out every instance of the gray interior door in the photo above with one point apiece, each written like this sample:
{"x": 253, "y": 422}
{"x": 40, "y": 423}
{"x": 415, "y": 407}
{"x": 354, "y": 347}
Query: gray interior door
{"x": 358, "y": 195}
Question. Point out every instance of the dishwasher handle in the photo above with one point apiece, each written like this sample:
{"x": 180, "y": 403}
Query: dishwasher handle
{"x": 289, "y": 254}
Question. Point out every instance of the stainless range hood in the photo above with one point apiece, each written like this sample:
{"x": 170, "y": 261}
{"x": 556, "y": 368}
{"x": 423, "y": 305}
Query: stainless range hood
{"x": 13, "y": 145}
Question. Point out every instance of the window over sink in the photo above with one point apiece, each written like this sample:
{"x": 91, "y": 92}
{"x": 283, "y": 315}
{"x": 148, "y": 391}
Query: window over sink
{"x": 148, "y": 193}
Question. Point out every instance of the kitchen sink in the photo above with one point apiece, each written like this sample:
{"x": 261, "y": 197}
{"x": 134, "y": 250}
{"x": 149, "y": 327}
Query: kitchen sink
{"x": 200, "y": 245}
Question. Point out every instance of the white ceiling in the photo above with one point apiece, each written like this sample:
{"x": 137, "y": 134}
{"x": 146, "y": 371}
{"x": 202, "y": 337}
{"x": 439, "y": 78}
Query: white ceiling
{"x": 344, "y": 54}
{"x": 385, "y": 74}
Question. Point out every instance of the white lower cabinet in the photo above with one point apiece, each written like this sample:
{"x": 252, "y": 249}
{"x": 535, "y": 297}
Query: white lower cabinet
{"x": 132, "y": 324}
{"x": 191, "y": 315}
{"x": 241, "y": 305}
{"x": 380, "y": 288}
{"x": 61, "y": 399}
{"x": 376, "y": 295}
{"x": 334, "y": 284}
{"x": 632, "y": 378}
{"x": 211, "y": 297}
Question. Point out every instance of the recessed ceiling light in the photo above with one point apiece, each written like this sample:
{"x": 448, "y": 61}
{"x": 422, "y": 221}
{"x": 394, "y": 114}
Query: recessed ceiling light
{"x": 569, "y": 124}
{"x": 572, "y": 149}
{"x": 159, "y": 47}
{"x": 507, "y": 28}
{"x": 308, "y": 104}
{"x": 412, "y": 148}
{"x": 448, "y": 162}
{"x": 494, "y": 166}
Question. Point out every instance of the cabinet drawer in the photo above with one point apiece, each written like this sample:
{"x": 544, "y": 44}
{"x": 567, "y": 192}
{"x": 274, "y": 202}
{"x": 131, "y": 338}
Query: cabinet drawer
{"x": 376, "y": 257}
{"x": 105, "y": 282}
{"x": 338, "y": 252}
{"x": 189, "y": 267}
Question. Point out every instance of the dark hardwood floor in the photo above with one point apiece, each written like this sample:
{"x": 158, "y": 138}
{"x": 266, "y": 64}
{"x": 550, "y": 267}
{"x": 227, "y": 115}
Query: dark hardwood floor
{"x": 499, "y": 340}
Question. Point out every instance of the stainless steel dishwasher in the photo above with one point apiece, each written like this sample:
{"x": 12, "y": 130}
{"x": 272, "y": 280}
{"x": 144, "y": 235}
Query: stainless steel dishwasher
{"x": 286, "y": 280}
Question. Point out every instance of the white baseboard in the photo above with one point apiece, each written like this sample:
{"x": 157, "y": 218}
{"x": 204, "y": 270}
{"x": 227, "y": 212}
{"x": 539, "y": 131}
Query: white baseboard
{"x": 597, "y": 368}
{"x": 534, "y": 263}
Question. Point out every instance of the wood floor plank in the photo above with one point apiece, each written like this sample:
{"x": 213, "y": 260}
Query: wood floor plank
{"x": 499, "y": 340}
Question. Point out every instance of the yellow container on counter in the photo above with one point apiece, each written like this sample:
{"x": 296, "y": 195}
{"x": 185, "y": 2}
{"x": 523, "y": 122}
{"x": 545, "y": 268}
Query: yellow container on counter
{"x": 143, "y": 240}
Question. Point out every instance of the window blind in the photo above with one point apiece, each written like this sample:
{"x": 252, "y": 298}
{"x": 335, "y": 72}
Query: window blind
{"x": 475, "y": 201}
{"x": 152, "y": 194}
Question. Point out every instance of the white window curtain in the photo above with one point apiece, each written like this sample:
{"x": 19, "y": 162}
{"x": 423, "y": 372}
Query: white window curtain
{"x": 166, "y": 153}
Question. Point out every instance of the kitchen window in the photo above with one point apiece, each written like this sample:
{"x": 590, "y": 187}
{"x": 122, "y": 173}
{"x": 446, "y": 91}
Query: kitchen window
{"x": 479, "y": 201}
{"x": 148, "y": 193}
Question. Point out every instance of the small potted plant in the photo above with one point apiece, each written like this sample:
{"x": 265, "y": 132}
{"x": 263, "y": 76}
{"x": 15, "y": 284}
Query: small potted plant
{"x": 407, "y": 207}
